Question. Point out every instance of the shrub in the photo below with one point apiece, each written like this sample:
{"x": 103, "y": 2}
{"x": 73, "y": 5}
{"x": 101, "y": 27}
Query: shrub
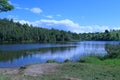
{"x": 67, "y": 60}
{"x": 51, "y": 61}
{"x": 113, "y": 51}
{"x": 23, "y": 67}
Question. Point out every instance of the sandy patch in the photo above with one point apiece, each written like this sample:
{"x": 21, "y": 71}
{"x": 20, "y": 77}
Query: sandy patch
{"x": 32, "y": 70}
{"x": 9, "y": 70}
{"x": 38, "y": 69}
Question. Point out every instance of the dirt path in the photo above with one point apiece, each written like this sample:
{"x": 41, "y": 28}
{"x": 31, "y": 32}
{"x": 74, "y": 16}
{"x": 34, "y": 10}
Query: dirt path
{"x": 32, "y": 70}
{"x": 38, "y": 69}
{"x": 9, "y": 70}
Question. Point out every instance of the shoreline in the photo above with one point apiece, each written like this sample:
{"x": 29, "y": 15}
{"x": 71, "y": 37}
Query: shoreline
{"x": 65, "y": 71}
{"x": 32, "y": 69}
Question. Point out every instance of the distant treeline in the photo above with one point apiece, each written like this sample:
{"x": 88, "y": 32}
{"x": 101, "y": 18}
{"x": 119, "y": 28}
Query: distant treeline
{"x": 11, "y": 31}
{"x": 112, "y": 35}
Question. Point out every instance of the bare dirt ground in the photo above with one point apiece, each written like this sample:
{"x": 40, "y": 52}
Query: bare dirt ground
{"x": 32, "y": 70}
{"x": 38, "y": 69}
{"x": 9, "y": 70}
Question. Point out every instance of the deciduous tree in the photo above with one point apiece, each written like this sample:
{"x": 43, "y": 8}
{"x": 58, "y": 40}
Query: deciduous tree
{"x": 5, "y": 6}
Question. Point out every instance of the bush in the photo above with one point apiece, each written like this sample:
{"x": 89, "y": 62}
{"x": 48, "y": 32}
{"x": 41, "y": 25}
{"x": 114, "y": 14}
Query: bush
{"x": 67, "y": 60}
{"x": 23, "y": 67}
{"x": 113, "y": 51}
{"x": 51, "y": 61}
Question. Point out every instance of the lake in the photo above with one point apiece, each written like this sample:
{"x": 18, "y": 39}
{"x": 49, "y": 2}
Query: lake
{"x": 16, "y": 55}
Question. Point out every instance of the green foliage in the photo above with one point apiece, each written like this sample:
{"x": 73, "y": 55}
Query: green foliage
{"x": 23, "y": 67}
{"x": 67, "y": 61}
{"x": 51, "y": 61}
{"x": 113, "y": 51}
{"x": 113, "y": 35}
{"x": 5, "y": 6}
{"x": 11, "y": 31}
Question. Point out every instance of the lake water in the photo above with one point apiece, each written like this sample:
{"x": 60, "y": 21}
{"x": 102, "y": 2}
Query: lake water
{"x": 16, "y": 55}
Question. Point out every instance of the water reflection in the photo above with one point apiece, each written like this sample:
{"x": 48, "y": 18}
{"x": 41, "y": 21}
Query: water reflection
{"x": 22, "y": 54}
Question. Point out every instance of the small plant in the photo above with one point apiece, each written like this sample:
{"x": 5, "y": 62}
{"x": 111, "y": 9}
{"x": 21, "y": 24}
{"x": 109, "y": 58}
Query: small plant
{"x": 67, "y": 60}
{"x": 51, "y": 61}
{"x": 22, "y": 67}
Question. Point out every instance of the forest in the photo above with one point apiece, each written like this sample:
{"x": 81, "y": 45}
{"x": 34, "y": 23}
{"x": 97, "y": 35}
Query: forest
{"x": 11, "y": 31}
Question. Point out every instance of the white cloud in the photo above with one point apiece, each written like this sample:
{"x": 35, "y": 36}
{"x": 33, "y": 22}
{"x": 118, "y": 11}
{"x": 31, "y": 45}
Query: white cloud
{"x": 36, "y": 10}
{"x": 58, "y": 15}
{"x": 49, "y": 17}
{"x": 68, "y": 25}
{"x": 17, "y": 7}
{"x": 26, "y": 8}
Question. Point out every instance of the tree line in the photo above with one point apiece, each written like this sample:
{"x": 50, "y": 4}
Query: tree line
{"x": 11, "y": 31}
{"x": 112, "y": 35}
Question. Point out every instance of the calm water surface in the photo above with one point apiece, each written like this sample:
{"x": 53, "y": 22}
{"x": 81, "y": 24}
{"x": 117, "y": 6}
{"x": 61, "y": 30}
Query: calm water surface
{"x": 16, "y": 55}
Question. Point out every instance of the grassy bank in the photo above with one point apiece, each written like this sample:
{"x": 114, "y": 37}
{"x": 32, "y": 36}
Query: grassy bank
{"x": 91, "y": 69}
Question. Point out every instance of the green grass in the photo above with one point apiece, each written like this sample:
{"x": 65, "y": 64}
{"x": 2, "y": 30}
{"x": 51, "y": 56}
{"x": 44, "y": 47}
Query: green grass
{"x": 90, "y": 59}
{"x": 4, "y": 77}
{"x": 44, "y": 77}
{"x": 111, "y": 62}
{"x": 99, "y": 60}
{"x": 88, "y": 71}
{"x": 92, "y": 68}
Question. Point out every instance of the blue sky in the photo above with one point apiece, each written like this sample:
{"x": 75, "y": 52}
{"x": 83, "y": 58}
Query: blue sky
{"x": 70, "y": 15}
